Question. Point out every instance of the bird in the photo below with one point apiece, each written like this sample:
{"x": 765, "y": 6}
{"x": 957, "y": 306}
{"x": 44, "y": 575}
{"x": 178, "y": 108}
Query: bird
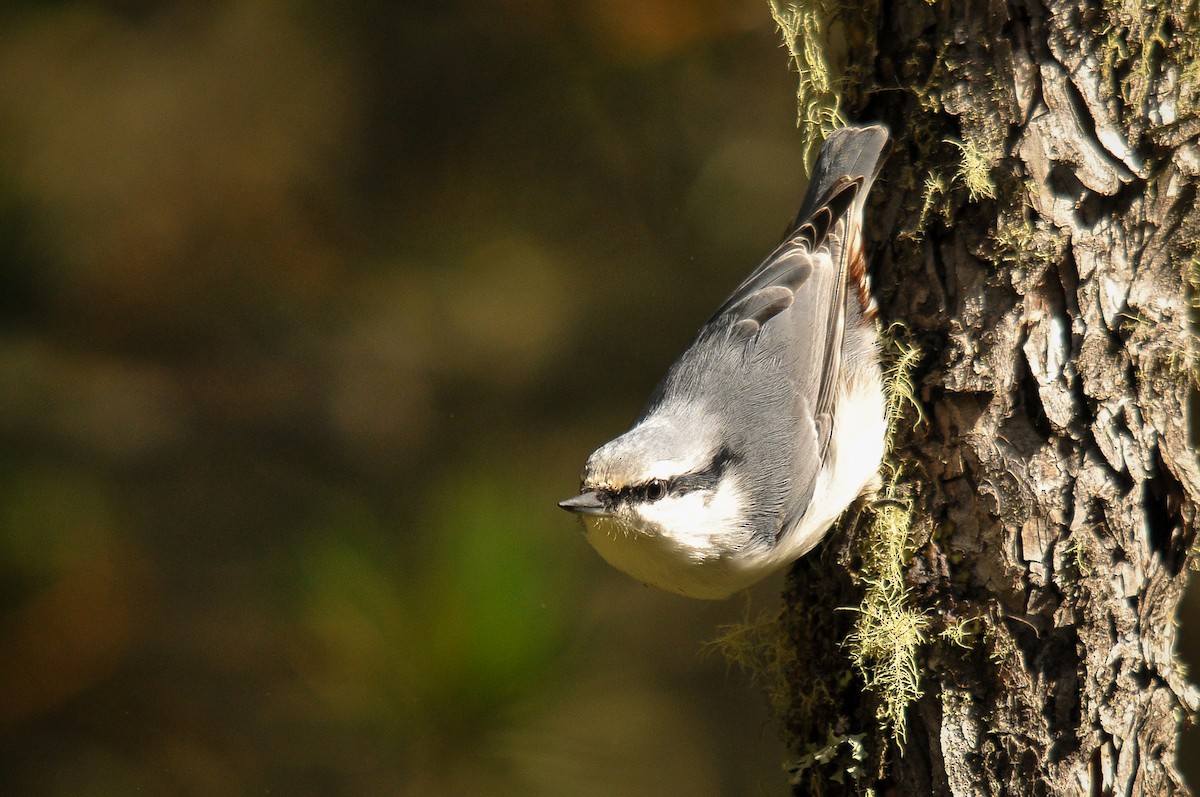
{"x": 772, "y": 421}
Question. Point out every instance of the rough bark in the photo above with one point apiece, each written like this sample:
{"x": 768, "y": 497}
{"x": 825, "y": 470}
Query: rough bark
{"x": 1036, "y": 232}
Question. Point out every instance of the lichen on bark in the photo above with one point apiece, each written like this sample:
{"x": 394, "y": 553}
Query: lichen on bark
{"x": 1036, "y": 231}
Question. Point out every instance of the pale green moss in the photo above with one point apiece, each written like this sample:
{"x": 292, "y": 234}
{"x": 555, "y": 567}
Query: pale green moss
{"x": 888, "y": 630}
{"x": 805, "y": 30}
{"x": 901, "y": 358}
{"x": 1134, "y": 43}
{"x": 844, "y": 755}
{"x": 1018, "y": 240}
{"x": 1077, "y": 552}
{"x": 1012, "y": 241}
{"x": 935, "y": 187}
{"x": 759, "y": 647}
{"x": 962, "y": 632}
{"x": 975, "y": 169}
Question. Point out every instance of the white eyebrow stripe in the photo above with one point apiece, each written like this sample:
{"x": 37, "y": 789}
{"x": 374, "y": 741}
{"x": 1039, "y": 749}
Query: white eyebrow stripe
{"x": 668, "y": 469}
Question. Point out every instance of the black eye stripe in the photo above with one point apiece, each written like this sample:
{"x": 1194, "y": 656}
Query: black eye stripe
{"x": 656, "y": 489}
{"x": 710, "y": 476}
{"x": 653, "y": 490}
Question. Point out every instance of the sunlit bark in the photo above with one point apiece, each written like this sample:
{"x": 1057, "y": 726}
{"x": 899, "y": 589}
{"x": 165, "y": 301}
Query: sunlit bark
{"x": 1035, "y": 230}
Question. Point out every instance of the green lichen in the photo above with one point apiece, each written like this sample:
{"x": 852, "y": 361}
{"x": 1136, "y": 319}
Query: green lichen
{"x": 962, "y": 632}
{"x": 975, "y": 169}
{"x": 953, "y": 160}
{"x": 844, "y": 755}
{"x": 1012, "y": 239}
{"x": 1022, "y": 237}
{"x": 901, "y": 358}
{"x": 803, "y": 689}
{"x": 759, "y": 647}
{"x": 888, "y": 629}
{"x": 805, "y": 28}
{"x": 935, "y": 188}
{"x": 1136, "y": 40}
{"x": 1077, "y": 552}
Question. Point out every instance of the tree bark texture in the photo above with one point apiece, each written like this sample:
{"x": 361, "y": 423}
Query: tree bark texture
{"x": 1036, "y": 231}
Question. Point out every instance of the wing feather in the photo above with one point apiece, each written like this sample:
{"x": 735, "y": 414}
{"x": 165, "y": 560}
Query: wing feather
{"x": 776, "y": 342}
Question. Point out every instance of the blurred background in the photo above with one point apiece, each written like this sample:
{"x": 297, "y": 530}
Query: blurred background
{"x": 308, "y": 317}
{"x": 309, "y": 314}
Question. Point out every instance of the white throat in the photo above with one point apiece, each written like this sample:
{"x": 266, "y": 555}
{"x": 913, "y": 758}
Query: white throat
{"x": 678, "y": 543}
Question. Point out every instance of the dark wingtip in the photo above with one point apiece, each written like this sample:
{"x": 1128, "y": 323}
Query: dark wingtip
{"x": 851, "y": 152}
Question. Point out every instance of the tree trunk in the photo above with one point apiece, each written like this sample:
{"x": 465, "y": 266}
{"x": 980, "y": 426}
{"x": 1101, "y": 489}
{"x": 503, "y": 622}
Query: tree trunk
{"x": 1036, "y": 232}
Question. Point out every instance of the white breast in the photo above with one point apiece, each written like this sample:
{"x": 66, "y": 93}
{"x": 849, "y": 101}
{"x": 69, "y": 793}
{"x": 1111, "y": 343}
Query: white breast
{"x": 852, "y": 466}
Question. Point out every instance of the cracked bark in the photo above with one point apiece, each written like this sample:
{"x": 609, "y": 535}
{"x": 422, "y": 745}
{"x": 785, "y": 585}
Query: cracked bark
{"x": 1054, "y": 480}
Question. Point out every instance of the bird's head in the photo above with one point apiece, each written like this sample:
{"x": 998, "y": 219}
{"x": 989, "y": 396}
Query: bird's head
{"x": 666, "y": 481}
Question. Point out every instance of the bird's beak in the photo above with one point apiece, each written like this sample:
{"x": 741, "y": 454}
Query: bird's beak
{"x": 586, "y": 503}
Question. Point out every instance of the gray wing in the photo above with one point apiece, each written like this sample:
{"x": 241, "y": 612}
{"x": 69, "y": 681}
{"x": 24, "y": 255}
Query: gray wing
{"x": 776, "y": 342}
{"x": 807, "y": 273}
{"x": 790, "y": 319}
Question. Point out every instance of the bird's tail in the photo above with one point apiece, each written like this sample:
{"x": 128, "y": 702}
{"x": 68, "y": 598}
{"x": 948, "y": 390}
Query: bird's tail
{"x": 848, "y": 152}
{"x": 847, "y": 165}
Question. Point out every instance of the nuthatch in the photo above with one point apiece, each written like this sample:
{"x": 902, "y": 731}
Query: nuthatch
{"x": 771, "y": 423}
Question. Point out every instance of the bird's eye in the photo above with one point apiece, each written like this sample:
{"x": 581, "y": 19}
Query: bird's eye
{"x": 655, "y": 489}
